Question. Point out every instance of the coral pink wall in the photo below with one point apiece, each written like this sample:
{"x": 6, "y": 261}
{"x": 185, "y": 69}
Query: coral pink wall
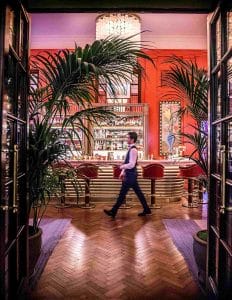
{"x": 153, "y": 92}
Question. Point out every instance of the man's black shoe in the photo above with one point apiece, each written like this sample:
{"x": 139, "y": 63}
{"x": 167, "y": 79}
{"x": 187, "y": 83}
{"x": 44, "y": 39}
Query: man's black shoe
{"x": 144, "y": 213}
{"x": 109, "y": 213}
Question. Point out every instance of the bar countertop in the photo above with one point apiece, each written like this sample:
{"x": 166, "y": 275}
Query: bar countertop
{"x": 174, "y": 161}
{"x": 169, "y": 188}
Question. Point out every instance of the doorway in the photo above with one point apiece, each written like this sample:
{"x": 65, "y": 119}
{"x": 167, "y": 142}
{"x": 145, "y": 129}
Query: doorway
{"x": 13, "y": 212}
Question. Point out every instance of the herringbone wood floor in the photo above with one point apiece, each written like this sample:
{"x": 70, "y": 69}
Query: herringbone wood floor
{"x": 126, "y": 258}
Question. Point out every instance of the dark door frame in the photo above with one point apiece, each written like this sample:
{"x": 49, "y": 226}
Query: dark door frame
{"x": 219, "y": 268}
{"x": 186, "y": 6}
{"x": 14, "y": 36}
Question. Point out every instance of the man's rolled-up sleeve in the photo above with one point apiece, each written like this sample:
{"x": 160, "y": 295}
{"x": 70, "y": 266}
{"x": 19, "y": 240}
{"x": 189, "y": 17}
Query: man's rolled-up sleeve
{"x": 132, "y": 161}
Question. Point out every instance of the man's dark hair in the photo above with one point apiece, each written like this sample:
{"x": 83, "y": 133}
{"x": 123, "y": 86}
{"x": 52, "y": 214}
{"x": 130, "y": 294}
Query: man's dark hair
{"x": 133, "y": 135}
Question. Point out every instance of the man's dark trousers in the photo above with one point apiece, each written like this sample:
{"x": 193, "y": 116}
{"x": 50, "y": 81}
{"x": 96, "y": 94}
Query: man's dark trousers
{"x": 130, "y": 181}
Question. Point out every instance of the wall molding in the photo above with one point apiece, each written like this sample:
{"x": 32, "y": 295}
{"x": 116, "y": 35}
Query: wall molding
{"x": 154, "y": 41}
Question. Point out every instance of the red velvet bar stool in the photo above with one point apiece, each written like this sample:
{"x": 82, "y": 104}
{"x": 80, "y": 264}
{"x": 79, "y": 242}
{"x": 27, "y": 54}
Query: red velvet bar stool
{"x": 191, "y": 174}
{"x": 153, "y": 172}
{"x": 116, "y": 174}
{"x": 87, "y": 172}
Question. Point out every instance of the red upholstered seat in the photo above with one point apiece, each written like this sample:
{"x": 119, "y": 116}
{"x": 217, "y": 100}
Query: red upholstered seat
{"x": 191, "y": 171}
{"x": 88, "y": 170}
{"x": 116, "y": 171}
{"x": 61, "y": 165}
{"x": 153, "y": 171}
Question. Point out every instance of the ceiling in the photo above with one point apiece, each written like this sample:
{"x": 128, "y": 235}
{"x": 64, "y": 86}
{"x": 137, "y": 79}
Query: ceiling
{"x": 60, "y": 30}
{"x": 109, "y": 5}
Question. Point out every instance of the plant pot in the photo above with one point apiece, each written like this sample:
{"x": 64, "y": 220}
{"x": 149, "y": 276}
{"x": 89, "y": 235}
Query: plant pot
{"x": 35, "y": 243}
{"x": 200, "y": 252}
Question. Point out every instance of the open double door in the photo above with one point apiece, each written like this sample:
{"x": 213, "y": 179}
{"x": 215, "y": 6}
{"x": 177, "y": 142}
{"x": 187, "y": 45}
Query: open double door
{"x": 14, "y": 37}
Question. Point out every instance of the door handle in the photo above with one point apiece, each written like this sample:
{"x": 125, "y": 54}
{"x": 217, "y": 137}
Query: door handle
{"x": 223, "y": 179}
{"x": 7, "y": 208}
{"x": 15, "y": 173}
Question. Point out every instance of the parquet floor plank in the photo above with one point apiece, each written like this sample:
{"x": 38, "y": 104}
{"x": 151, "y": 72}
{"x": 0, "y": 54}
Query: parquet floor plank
{"x": 129, "y": 258}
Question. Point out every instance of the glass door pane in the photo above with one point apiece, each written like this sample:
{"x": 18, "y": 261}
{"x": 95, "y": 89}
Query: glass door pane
{"x": 229, "y": 29}
{"x": 229, "y": 86}
{"x": 218, "y": 40}
{"x": 229, "y": 155}
{"x": 12, "y": 28}
{"x": 218, "y": 98}
{"x": 11, "y": 84}
{"x": 217, "y": 148}
{"x": 9, "y": 150}
{"x": 23, "y": 40}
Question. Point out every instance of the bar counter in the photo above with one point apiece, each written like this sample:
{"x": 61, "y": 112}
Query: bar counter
{"x": 105, "y": 188}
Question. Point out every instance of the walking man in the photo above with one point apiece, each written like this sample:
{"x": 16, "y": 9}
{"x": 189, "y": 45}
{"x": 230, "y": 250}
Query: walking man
{"x": 129, "y": 179}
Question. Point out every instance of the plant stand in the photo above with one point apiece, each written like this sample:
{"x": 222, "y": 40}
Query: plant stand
{"x": 87, "y": 204}
{"x": 199, "y": 251}
{"x": 190, "y": 203}
{"x": 153, "y": 204}
{"x": 62, "y": 203}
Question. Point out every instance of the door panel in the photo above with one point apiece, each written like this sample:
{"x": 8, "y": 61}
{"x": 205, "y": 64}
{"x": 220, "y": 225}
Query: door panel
{"x": 13, "y": 135}
{"x": 219, "y": 269}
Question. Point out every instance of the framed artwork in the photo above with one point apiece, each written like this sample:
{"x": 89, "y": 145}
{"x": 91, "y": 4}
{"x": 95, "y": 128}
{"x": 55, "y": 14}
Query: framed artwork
{"x": 170, "y": 125}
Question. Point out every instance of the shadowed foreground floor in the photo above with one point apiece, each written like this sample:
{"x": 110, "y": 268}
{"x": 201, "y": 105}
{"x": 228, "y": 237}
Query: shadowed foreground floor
{"x": 127, "y": 258}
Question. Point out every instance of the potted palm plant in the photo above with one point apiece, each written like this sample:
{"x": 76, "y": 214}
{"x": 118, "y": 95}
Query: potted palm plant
{"x": 44, "y": 148}
{"x": 66, "y": 79}
{"x": 190, "y": 82}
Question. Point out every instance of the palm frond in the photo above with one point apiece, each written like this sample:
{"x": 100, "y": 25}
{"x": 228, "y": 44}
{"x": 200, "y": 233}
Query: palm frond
{"x": 200, "y": 142}
{"x": 189, "y": 82}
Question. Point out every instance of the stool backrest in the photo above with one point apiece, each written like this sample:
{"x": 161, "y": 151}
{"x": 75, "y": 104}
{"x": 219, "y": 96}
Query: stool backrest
{"x": 87, "y": 170}
{"x": 62, "y": 167}
{"x": 191, "y": 171}
{"x": 153, "y": 171}
{"x": 116, "y": 171}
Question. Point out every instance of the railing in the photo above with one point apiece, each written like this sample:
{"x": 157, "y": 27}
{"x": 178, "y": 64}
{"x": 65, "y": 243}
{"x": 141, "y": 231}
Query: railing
{"x": 126, "y": 108}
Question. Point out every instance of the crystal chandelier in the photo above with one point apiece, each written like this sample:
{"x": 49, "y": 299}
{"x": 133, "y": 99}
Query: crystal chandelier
{"x": 119, "y": 24}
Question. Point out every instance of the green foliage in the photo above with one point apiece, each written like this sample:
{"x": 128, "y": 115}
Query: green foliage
{"x": 66, "y": 79}
{"x": 45, "y": 147}
{"x": 188, "y": 81}
{"x": 203, "y": 235}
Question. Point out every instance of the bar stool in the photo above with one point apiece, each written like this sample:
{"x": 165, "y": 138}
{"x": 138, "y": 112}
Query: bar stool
{"x": 153, "y": 172}
{"x": 116, "y": 174}
{"x": 87, "y": 172}
{"x": 191, "y": 173}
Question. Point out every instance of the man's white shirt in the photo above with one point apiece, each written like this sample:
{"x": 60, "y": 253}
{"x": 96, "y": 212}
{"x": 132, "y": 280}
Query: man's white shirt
{"x": 132, "y": 159}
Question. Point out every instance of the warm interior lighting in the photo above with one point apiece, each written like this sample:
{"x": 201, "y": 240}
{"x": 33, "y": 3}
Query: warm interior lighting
{"x": 120, "y": 24}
